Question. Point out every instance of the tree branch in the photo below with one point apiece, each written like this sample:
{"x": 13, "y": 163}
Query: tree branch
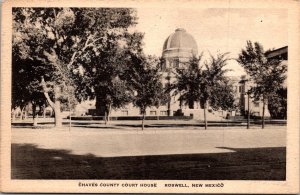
{"x": 86, "y": 45}
{"x": 72, "y": 59}
{"x": 45, "y": 91}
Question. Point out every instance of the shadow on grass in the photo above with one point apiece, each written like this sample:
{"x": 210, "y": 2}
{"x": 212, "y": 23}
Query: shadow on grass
{"x": 30, "y": 162}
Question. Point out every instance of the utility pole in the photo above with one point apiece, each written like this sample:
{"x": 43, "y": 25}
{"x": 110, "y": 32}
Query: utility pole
{"x": 69, "y": 113}
{"x": 248, "y": 118}
{"x": 244, "y": 81}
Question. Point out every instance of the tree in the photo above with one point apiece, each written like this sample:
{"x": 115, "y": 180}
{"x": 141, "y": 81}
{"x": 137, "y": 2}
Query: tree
{"x": 145, "y": 80}
{"x": 102, "y": 76}
{"x": 268, "y": 75}
{"x": 26, "y": 90}
{"x": 59, "y": 42}
{"x": 106, "y": 79}
{"x": 277, "y": 104}
{"x": 218, "y": 90}
{"x": 114, "y": 94}
{"x": 187, "y": 84}
{"x": 205, "y": 84}
{"x": 37, "y": 39}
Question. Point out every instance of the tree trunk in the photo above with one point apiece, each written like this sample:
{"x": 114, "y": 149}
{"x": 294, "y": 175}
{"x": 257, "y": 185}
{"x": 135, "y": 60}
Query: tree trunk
{"x": 21, "y": 113}
{"x": 205, "y": 120}
{"x": 34, "y": 115}
{"x": 169, "y": 108}
{"x": 263, "y": 115}
{"x": 143, "y": 119}
{"x": 25, "y": 113}
{"x": 57, "y": 112}
{"x": 248, "y": 114}
{"x": 44, "y": 112}
{"x": 105, "y": 118}
{"x": 54, "y": 105}
{"x": 22, "y": 109}
{"x": 100, "y": 105}
{"x": 107, "y": 113}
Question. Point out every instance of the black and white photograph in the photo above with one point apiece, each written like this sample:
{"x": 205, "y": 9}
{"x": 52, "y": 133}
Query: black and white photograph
{"x": 128, "y": 97}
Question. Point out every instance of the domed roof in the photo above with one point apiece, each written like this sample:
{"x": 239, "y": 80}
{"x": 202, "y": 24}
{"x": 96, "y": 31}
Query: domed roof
{"x": 179, "y": 42}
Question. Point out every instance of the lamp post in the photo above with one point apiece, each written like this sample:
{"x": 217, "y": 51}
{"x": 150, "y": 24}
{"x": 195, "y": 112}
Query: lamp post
{"x": 169, "y": 98}
{"x": 248, "y": 118}
{"x": 244, "y": 81}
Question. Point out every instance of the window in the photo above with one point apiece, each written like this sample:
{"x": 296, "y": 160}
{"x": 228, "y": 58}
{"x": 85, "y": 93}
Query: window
{"x": 176, "y": 63}
{"x": 164, "y": 113}
{"x": 256, "y": 104}
{"x": 153, "y": 113}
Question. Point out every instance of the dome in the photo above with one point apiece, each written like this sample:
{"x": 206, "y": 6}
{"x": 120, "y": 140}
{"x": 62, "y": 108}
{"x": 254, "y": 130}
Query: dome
{"x": 180, "y": 44}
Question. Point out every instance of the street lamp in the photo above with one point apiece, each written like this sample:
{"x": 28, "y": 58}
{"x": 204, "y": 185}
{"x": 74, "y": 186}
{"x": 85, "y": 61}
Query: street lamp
{"x": 244, "y": 81}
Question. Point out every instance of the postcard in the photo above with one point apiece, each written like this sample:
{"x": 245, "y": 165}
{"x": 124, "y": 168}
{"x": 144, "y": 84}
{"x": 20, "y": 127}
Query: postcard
{"x": 150, "y": 97}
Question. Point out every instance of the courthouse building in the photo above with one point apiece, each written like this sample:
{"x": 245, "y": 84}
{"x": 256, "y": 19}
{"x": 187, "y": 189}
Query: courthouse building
{"x": 177, "y": 49}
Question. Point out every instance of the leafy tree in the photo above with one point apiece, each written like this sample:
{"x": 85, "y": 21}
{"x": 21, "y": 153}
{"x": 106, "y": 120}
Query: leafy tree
{"x": 145, "y": 80}
{"x": 106, "y": 78}
{"x": 102, "y": 75}
{"x": 114, "y": 94}
{"x": 267, "y": 75}
{"x": 277, "y": 104}
{"x": 61, "y": 44}
{"x": 205, "y": 84}
{"x": 187, "y": 84}
{"x": 25, "y": 90}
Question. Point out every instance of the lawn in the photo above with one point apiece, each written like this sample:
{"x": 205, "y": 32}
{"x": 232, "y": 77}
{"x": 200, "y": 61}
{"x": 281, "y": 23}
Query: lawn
{"x": 215, "y": 154}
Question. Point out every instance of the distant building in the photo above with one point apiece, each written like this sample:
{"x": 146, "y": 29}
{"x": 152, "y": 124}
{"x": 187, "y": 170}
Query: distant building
{"x": 177, "y": 50}
{"x": 280, "y": 53}
{"x": 256, "y": 107}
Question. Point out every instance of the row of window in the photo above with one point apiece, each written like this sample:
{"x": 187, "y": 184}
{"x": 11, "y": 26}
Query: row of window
{"x": 165, "y": 113}
{"x": 174, "y": 63}
{"x": 152, "y": 113}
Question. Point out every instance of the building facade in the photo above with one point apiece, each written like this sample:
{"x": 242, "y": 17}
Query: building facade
{"x": 256, "y": 107}
{"x": 177, "y": 50}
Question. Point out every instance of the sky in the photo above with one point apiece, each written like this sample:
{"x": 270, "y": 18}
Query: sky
{"x": 215, "y": 30}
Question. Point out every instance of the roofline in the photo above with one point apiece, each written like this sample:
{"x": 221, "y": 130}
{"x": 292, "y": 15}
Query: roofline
{"x": 281, "y": 48}
{"x": 277, "y": 52}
